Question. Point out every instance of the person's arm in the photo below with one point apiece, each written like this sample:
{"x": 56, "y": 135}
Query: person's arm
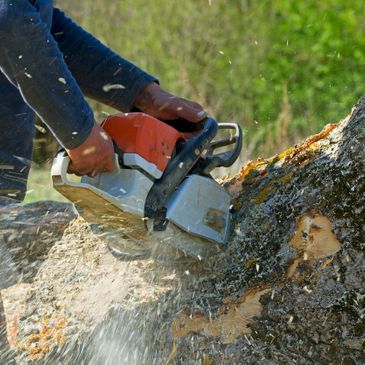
{"x": 107, "y": 77}
{"x": 30, "y": 58}
{"x": 102, "y": 74}
{"x": 32, "y": 61}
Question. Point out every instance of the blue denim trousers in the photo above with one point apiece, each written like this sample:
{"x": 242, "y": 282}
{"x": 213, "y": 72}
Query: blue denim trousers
{"x": 47, "y": 64}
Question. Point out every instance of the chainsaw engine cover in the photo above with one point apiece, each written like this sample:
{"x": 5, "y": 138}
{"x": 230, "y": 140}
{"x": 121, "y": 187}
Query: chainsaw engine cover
{"x": 144, "y": 141}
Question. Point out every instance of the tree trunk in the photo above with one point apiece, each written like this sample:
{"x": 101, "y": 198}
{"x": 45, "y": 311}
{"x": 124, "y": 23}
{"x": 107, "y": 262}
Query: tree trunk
{"x": 288, "y": 289}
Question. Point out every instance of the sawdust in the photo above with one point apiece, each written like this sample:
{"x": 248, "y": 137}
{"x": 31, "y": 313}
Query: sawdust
{"x": 313, "y": 239}
{"x": 76, "y": 287}
{"x": 95, "y": 298}
{"x": 231, "y": 321}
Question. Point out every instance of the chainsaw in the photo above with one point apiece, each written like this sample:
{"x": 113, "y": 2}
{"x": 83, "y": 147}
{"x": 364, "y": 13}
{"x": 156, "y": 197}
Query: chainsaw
{"x": 161, "y": 196}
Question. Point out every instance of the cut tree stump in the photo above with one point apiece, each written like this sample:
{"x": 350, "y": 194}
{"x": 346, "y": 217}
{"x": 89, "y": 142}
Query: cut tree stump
{"x": 289, "y": 288}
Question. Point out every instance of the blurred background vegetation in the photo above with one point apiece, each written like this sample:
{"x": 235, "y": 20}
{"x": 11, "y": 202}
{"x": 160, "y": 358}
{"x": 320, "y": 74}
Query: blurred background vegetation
{"x": 281, "y": 68}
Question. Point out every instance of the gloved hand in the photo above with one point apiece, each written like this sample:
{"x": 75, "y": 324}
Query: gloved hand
{"x": 94, "y": 155}
{"x": 157, "y": 102}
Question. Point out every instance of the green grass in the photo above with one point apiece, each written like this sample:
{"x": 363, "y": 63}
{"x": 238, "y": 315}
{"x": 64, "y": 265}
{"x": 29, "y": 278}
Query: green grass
{"x": 40, "y": 186}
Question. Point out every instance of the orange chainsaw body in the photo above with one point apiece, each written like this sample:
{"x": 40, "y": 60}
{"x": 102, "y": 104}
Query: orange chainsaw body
{"x": 146, "y": 136}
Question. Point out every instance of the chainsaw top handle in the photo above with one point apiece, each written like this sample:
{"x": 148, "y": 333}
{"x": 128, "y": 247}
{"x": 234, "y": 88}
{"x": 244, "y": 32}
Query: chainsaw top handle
{"x": 179, "y": 168}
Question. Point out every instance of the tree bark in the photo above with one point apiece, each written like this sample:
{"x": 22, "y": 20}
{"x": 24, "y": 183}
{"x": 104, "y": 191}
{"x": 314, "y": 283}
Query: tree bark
{"x": 289, "y": 287}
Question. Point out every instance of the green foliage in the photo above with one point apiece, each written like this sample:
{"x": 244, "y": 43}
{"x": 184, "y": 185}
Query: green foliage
{"x": 236, "y": 57}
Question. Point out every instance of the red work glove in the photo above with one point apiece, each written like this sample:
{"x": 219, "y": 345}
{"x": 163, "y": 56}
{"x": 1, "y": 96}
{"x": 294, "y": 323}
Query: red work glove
{"x": 157, "y": 102}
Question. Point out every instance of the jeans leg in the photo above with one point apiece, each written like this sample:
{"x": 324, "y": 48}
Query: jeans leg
{"x": 16, "y": 141}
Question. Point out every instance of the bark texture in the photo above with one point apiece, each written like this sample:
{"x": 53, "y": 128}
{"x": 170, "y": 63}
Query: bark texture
{"x": 288, "y": 289}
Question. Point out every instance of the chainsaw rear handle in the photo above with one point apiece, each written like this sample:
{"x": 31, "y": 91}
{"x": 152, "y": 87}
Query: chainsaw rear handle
{"x": 62, "y": 162}
{"x": 179, "y": 168}
{"x": 59, "y": 168}
{"x": 223, "y": 159}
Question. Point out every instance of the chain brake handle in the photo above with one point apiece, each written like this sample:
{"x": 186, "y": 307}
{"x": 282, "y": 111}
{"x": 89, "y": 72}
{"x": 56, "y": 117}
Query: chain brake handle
{"x": 223, "y": 159}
